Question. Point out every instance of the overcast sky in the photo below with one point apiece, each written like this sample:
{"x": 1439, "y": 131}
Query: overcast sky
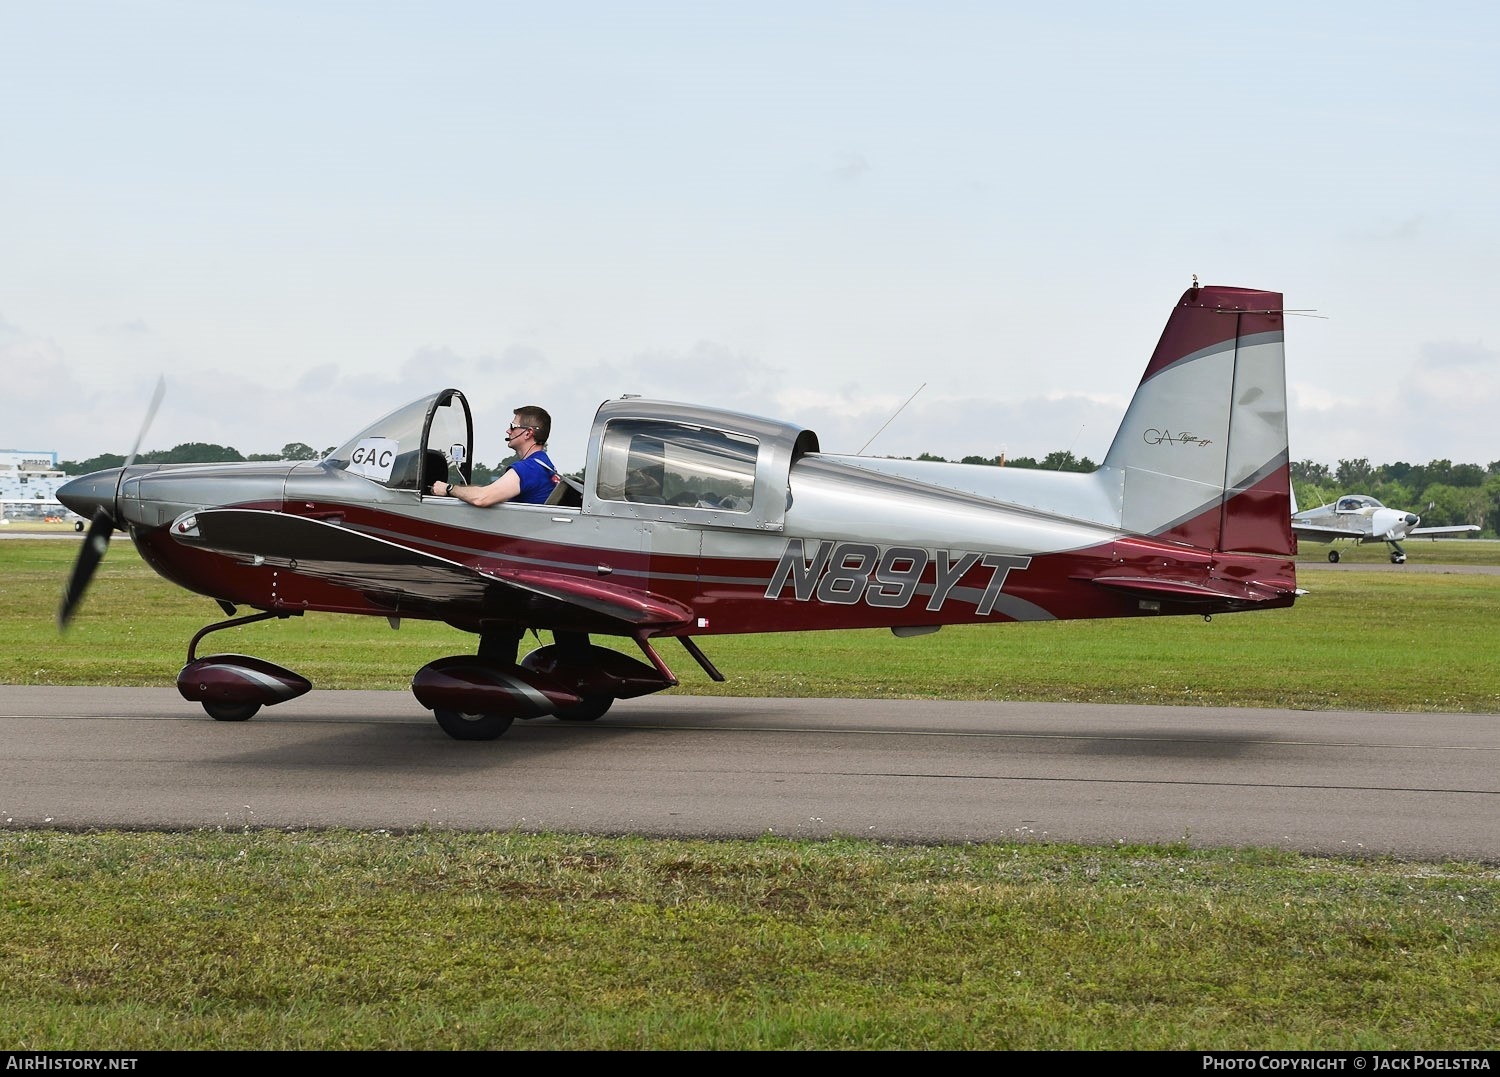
{"x": 308, "y": 214}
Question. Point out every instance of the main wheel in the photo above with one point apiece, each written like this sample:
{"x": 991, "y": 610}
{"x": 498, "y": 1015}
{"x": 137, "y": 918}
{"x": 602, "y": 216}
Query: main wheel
{"x": 231, "y": 712}
{"x": 1398, "y": 558}
{"x": 1333, "y": 556}
{"x": 587, "y": 710}
{"x": 463, "y": 726}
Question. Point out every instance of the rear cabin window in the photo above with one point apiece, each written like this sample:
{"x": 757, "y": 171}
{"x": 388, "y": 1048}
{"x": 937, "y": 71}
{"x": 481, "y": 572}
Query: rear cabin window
{"x": 656, "y": 463}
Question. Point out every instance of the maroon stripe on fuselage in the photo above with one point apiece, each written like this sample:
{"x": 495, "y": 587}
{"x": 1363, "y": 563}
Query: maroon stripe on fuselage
{"x": 727, "y": 595}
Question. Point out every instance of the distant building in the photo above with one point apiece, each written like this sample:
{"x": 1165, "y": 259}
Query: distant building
{"x": 43, "y": 463}
{"x": 29, "y": 479}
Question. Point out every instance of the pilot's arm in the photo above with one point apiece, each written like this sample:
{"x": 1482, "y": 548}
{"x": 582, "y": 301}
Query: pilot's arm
{"x": 504, "y": 488}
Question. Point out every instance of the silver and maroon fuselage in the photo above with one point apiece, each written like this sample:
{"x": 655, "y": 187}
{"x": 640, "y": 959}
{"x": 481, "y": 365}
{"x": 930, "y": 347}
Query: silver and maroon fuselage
{"x": 691, "y": 521}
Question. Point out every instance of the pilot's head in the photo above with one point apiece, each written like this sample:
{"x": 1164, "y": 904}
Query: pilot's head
{"x": 530, "y": 418}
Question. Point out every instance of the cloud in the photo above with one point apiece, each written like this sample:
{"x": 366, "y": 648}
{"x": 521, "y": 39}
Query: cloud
{"x": 133, "y": 328}
{"x": 1442, "y": 406}
{"x": 851, "y": 168}
{"x": 46, "y": 404}
{"x": 1447, "y": 398}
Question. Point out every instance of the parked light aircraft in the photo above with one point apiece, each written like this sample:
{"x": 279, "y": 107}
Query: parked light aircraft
{"x": 1362, "y": 518}
{"x": 695, "y": 521}
{"x": 29, "y": 508}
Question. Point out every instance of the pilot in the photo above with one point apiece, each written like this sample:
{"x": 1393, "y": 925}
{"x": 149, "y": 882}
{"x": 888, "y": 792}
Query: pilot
{"x": 531, "y": 478}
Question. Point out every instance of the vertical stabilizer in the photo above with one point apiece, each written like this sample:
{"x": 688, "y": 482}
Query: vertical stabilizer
{"x": 1203, "y": 447}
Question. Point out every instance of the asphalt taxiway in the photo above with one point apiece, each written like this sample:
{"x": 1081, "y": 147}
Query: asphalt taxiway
{"x": 1418, "y": 786}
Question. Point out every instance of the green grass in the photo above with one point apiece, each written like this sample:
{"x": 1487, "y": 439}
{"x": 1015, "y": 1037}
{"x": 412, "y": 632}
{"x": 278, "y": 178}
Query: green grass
{"x": 1419, "y": 551}
{"x": 449, "y": 941}
{"x": 439, "y": 940}
{"x": 1396, "y": 640}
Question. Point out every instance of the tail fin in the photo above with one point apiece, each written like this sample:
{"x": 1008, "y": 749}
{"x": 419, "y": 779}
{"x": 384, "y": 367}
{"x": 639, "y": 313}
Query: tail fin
{"x": 1202, "y": 451}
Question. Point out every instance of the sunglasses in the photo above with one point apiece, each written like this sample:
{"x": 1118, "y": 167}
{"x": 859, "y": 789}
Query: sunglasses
{"x": 513, "y": 429}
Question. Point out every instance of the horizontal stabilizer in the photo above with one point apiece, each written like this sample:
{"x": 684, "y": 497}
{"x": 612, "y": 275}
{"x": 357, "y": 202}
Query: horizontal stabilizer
{"x": 1203, "y": 590}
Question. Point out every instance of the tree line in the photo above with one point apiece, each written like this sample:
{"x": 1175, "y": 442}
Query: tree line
{"x": 1442, "y": 492}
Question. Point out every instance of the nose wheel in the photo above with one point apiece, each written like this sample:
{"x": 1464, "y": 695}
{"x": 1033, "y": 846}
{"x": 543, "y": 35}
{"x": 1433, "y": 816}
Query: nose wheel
{"x": 230, "y": 712}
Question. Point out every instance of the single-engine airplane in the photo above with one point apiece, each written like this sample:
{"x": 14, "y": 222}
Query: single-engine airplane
{"x": 1364, "y": 519}
{"x": 694, "y": 521}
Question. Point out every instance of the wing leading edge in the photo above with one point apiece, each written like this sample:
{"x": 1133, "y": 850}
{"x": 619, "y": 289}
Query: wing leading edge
{"x": 1324, "y": 534}
{"x": 388, "y": 572}
{"x": 1455, "y": 529}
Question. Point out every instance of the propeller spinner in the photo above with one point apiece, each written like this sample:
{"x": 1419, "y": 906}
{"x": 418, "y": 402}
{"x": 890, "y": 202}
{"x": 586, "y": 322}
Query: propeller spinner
{"x": 101, "y": 490}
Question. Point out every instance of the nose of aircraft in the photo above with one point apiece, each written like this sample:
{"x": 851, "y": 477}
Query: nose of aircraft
{"x": 89, "y": 493}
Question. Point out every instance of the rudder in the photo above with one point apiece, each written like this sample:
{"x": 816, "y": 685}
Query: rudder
{"x": 1203, "y": 448}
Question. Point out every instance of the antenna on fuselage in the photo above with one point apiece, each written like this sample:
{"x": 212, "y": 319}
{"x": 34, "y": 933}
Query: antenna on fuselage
{"x": 1082, "y": 425}
{"x": 889, "y": 421}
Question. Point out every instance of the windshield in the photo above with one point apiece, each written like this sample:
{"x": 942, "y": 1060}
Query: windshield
{"x": 413, "y": 446}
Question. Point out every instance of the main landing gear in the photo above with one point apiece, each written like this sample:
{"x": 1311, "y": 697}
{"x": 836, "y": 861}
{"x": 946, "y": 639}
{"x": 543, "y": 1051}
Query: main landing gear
{"x": 477, "y": 697}
{"x": 1398, "y": 555}
{"x": 472, "y": 696}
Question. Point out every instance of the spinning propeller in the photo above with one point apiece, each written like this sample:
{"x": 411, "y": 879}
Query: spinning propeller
{"x": 103, "y": 525}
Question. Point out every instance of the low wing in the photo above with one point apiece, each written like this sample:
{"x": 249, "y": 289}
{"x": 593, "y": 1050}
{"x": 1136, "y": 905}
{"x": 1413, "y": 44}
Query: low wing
{"x": 390, "y": 572}
{"x": 1456, "y": 529}
{"x": 1320, "y": 533}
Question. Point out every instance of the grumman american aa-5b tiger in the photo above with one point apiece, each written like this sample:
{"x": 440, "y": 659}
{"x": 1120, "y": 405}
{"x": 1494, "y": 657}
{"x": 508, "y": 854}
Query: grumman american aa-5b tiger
{"x": 693, "y": 521}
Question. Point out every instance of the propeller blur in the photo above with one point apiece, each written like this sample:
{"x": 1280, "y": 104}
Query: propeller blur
{"x": 104, "y": 522}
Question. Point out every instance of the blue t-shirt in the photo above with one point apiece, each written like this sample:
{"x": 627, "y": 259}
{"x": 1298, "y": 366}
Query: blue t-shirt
{"x": 538, "y": 478}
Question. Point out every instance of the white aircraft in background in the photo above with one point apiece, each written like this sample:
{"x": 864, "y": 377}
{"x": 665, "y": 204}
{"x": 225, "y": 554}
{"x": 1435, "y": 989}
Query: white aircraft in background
{"x": 1362, "y": 518}
{"x": 38, "y": 508}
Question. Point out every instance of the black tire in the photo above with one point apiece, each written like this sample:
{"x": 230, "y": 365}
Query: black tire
{"x": 231, "y": 712}
{"x": 464, "y": 726}
{"x": 589, "y": 709}
{"x": 77, "y": 525}
{"x": 1333, "y": 557}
